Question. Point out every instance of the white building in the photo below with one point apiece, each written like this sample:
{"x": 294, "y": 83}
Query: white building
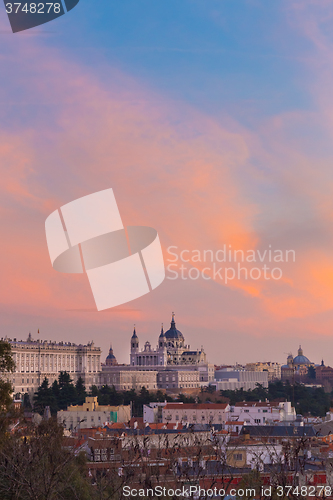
{"x": 273, "y": 369}
{"x": 196, "y": 413}
{"x": 257, "y": 412}
{"x": 152, "y": 412}
{"x": 231, "y": 379}
{"x": 37, "y": 359}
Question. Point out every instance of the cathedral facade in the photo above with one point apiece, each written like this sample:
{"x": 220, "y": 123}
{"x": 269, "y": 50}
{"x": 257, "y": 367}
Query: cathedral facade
{"x": 170, "y": 365}
{"x": 170, "y": 350}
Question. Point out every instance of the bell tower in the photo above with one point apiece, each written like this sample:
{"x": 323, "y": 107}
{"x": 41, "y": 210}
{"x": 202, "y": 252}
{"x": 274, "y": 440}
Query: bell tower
{"x": 134, "y": 348}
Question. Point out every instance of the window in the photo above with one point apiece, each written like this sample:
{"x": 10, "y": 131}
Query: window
{"x": 264, "y": 411}
{"x": 246, "y": 411}
{"x": 238, "y": 456}
{"x": 97, "y": 455}
{"x": 257, "y": 420}
{"x": 177, "y": 417}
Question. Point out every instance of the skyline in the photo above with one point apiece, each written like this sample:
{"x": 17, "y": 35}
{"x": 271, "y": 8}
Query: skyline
{"x": 211, "y": 123}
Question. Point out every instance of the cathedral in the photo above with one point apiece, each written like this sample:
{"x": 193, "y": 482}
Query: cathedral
{"x": 170, "y": 350}
{"x": 171, "y": 365}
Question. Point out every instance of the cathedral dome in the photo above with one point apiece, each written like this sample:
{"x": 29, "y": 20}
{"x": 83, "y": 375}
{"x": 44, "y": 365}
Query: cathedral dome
{"x": 173, "y": 333}
{"x": 300, "y": 359}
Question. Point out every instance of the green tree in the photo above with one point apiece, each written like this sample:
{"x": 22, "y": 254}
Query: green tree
{"x": 26, "y": 402}
{"x": 312, "y": 372}
{"x": 45, "y": 397}
{"x": 67, "y": 391}
{"x": 80, "y": 391}
{"x": 7, "y": 365}
{"x": 36, "y": 465}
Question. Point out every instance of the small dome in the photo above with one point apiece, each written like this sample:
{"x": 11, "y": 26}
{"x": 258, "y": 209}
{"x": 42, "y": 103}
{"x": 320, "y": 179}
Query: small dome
{"x": 111, "y": 359}
{"x": 173, "y": 333}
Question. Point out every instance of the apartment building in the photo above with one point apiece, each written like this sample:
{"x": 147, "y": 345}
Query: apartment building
{"x": 91, "y": 414}
{"x": 196, "y": 413}
{"x": 262, "y": 412}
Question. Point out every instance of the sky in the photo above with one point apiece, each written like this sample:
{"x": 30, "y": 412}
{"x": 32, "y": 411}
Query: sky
{"x": 212, "y": 123}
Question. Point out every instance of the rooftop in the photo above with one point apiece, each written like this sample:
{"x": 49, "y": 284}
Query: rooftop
{"x": 196, "y": 406}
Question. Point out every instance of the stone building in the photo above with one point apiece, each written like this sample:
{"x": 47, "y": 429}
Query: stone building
{"x": 171, "y": 365}
{"x": 273, "y": 369}
{"x": 37, "y": 359}
{"x": 171, "y": 350}
{"x": 177, "y": 364}
{"x": 125, "y": 378}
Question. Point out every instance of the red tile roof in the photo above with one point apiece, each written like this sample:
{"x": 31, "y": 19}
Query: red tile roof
{"x": 117, "y": 425}
{"x": 166, "y": 425}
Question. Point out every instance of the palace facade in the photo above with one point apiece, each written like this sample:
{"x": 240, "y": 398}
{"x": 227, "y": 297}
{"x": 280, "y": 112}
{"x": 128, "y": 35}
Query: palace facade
{"x": 37, "y": 359}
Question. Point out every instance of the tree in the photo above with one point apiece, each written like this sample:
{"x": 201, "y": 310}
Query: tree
{"x": 35, "y": 464}
{"x": 26, "y": 402}
{"x": 67, "y": 392}
{"x": 312, "y": 372}
{"x": 7, "y": 365}
{"x": 45, "y": 397}
{"x": 80, "y": 391}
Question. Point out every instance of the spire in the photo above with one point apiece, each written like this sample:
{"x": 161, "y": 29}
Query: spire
{"x": 134, "y": 336}
{"x": 162, "y": 331}
{"x": 173, "y": 323}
